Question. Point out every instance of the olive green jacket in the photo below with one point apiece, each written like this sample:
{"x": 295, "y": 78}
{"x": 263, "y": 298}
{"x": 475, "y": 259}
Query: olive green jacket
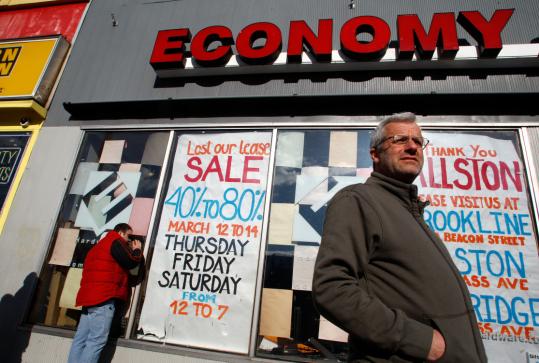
{"x": 384, "y": 277}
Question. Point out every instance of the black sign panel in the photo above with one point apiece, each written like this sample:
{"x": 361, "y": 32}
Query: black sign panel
{"x": 12, "y": 147}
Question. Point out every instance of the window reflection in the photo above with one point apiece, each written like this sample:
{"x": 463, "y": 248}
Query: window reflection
{"x": 115, "y": 182}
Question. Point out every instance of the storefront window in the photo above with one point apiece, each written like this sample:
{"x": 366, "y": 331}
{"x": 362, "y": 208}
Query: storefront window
{"x": 115, "y": 182}
{"x": 475, "y": 182}
{"x": 201, "y": 285}
{"x": 204, "y": 252}
{"x": 310, "y": 167}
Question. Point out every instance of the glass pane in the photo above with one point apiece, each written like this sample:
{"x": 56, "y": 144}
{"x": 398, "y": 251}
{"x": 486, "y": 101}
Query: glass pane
{"x": 480, "y": 207}
{"x": 201, "y": 283}
{"x": 114, "y": 182}
{"x": 310, "y": 167}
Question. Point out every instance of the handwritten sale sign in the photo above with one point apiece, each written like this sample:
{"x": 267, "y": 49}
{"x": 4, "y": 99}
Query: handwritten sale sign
{"x": 202, "y": 278}
{"x": 479, "y": 207}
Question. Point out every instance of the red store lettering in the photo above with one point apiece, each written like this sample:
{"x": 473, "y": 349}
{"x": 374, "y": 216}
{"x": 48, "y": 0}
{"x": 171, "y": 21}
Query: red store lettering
{"x": 261, "y": 43}
{"x": 201, "y": 172}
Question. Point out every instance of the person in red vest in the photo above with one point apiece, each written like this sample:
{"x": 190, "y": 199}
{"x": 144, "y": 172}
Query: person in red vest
{"x": 105, "y": 283}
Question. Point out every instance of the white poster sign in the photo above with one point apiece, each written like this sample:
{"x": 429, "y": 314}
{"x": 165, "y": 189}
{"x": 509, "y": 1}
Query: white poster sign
{"x": 202, "y": 277}
{"x": 480, "y": 209}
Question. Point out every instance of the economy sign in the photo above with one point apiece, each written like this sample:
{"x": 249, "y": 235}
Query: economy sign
{"x": 258, "y": 47}
{"x": 28, "y": 68}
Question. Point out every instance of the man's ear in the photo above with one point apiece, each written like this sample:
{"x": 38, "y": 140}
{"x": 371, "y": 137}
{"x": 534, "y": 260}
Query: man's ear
{"x": 375, "y": 156}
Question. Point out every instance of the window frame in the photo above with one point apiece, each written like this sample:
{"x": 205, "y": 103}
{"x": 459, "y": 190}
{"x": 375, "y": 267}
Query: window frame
{"x": 525, "y": 151}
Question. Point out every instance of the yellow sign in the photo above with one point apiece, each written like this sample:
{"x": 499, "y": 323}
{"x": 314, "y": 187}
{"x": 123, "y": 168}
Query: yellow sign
{"x": 28, "y": 67}
{"x": 8, "y": 57}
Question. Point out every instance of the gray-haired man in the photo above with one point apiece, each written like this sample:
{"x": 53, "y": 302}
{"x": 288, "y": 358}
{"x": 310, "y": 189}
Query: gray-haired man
{"x": 382, "y": 275}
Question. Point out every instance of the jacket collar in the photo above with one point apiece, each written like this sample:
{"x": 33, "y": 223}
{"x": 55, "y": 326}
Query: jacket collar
{"x": 407, "y": 193}
{"x": 114, "y": 236}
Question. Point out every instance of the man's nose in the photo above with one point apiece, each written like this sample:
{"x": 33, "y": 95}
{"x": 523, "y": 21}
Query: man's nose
{"x": 411, "y": 145}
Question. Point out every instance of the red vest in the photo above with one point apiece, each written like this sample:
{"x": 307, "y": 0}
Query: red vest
{"x": 102, "y": 277}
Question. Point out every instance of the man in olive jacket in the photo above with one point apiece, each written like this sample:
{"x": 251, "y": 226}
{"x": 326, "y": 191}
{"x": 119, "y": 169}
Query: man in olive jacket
{"x": 382, "y": 275}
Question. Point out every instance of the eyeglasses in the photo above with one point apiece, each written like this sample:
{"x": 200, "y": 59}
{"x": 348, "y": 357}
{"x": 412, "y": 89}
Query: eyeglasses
{"x": 403, "y": 140}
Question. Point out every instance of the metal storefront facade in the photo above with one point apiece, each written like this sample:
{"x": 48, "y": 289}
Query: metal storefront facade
{"x": 109, "y": 89}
